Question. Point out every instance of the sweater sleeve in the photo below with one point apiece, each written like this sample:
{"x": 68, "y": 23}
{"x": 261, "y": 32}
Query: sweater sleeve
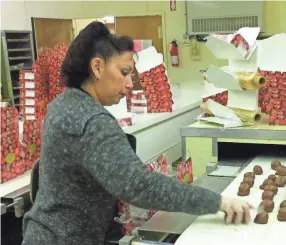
{"x": 111, "y": 161}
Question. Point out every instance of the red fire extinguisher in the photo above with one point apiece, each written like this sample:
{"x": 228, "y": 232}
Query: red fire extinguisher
{"x": 174, "y": 52}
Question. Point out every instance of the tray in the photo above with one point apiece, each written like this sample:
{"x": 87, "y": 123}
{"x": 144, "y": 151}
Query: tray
{"x": 211, "y": 229}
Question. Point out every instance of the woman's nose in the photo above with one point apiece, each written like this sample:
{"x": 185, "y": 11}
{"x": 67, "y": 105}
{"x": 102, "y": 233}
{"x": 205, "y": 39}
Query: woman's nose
{"x": 129, "y": 82}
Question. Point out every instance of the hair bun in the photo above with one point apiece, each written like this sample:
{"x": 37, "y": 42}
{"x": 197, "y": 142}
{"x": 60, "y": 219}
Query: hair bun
{"x": 96, "y": 29}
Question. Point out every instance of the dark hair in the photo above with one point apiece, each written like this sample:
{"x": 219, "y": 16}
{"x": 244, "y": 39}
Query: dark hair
{"x": 93, "y": 41}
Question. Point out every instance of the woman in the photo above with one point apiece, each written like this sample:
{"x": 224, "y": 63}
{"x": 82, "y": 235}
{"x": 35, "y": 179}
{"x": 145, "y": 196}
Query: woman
{"x": 86, "y": 161}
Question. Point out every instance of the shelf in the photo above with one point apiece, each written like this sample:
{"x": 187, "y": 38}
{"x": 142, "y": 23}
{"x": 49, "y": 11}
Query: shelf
{"x": 20, "y": 40}
{"x": 17, "y": 68}
{"x": 19, "y": 49}
{"x": 18, "y": 53}
{"x": 20, "y": 58}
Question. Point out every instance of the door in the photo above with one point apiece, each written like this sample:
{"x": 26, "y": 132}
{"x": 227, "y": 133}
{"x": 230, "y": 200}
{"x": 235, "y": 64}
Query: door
{"x": 141, "y": 27}
{"x": 49, "y": 32}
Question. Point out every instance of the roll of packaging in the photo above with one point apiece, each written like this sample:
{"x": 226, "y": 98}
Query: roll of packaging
{"x": 246, "y": 80}
{"x": 244, "y": 115}
{"x": 250, "y": 80}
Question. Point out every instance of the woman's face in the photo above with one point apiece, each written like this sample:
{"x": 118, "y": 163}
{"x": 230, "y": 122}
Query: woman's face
{"x": 113, "y": 78}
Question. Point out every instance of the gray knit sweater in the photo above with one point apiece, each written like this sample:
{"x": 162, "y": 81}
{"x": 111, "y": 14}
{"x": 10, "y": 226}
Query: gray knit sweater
{"x": 86, "y": 165}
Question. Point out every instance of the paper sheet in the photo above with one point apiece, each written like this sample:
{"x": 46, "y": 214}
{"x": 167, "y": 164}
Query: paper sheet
{"x": 225, "y": 171}
{"x": 246, "y": 100}
{"x": 221, "y": 111}
{"x": 226, "y": 123}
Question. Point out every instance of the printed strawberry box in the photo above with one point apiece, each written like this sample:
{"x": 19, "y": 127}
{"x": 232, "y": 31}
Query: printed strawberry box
{"x": 157, "y": 90}
{"x": 154, "y": 80}
{"x": 55, "y": 63}
{"x": 272, "y": 97}
{"x": 31, "y": 142}
{"x": 237, "y": 46}
{"x": 130, "y": 216}
{"x": 11, "y": 162}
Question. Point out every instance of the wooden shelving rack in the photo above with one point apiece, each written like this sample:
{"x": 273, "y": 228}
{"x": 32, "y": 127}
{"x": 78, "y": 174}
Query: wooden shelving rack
{"x": 17, "y": 53}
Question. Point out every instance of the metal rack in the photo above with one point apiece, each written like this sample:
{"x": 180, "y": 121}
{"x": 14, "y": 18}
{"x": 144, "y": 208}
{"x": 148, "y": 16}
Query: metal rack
{"x": 17, "y": 54}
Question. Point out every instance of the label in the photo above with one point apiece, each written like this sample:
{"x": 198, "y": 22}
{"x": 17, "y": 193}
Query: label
{"x": 10, "y": 158}
{"x": 32, "y": 148}
{"x": 29, "y": 76}
{"x": 29, "y": 110}
{"x": 42, "y": 104}
{"x": 174, "y": 60}
{"x": 29, "y": 85}
{"x": 30, "y": 117}
{"x": 30, "y": 93}
{"x": 30, "y": 102}
{"x": 187, "y": 178}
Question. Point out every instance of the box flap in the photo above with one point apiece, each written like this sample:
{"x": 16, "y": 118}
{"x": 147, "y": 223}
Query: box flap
{"x": 222, "y": 48}
{"x": 222, "y": 79}
{"x": 147, "y": 59}
{"x": 272, "y": 53}
{"x": 249, "y": 65}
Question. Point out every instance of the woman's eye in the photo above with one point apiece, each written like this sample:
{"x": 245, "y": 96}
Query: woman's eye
{"x": 124, "y": 73}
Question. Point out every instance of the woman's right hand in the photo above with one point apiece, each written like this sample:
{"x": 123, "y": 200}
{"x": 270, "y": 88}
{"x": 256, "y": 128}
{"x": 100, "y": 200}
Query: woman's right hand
{"x": 237, "y": 211}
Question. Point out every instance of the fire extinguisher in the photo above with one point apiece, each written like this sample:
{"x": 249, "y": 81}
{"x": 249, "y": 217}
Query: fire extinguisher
{"x": 174, "y": 52}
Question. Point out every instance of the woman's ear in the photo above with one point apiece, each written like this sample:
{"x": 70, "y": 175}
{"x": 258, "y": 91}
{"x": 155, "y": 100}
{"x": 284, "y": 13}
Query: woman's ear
{"x": 96, "y": 65}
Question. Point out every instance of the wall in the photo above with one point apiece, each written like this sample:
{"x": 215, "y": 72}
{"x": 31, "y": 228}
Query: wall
{"x": 22, "y": 11}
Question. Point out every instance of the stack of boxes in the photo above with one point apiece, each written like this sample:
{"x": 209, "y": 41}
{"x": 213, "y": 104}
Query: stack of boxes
{"x": 272, "y": 97}
{"x": 55, "y": 62}
{"x": 156, "y": 88}
{"x": 37, "y": 88}
{"x": 272, "y": 64}
{"x": 40, "y": 68}
{"x": 11, "y": 163}
{"x": 138, "y": 102}
{"x": 237, "y": 79}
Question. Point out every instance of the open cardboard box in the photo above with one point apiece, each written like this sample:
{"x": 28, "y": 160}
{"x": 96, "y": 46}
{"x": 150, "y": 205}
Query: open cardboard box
{"x": 223, "y": 46}
{"x": 271, "y": 57}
